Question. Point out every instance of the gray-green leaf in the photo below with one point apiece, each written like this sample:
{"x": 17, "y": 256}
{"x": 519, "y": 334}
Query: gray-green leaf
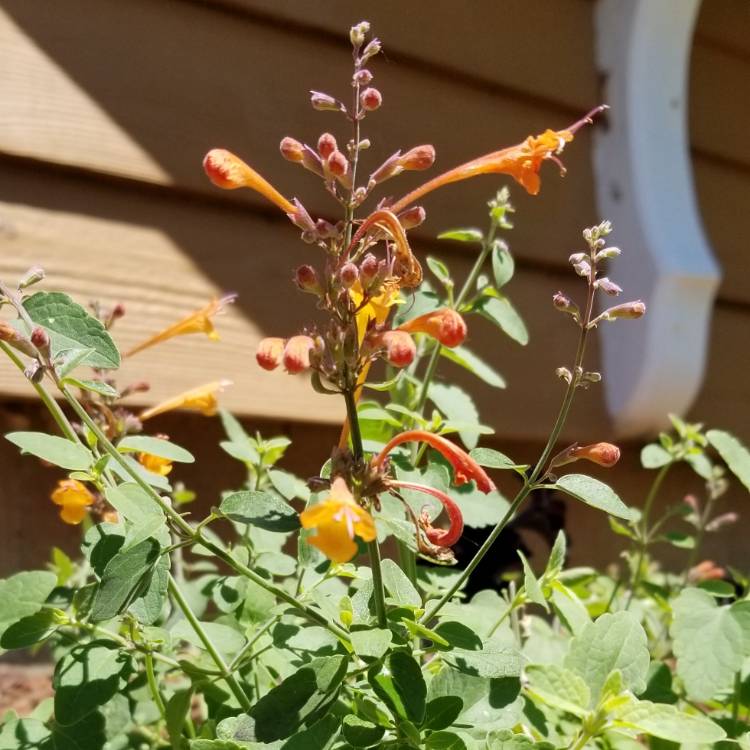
{"x": 55, "y": 450}
{"x": 594, "y": 493}
{"x": 263, "y": 509}
{"x": 734, "y": 453}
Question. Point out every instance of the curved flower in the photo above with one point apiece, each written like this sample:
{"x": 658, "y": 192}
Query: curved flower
{"x": 440, "y": 537}
{"x": 296, "y": 355}
{"x": 196, "y": 322}
{"x": 202, "y": 399}
{"x": 444, "y": 325}
{"x": 155, "y": 464}
{"x": 229, "y": 172}
{"x": 74, "y": 498}
{"x": 270, "y": 352}
{"x": 464, "y": 466}
{"x": 522, "y": 162}
{"x": 604, "y": 454}
{"x": 338, "y": 519}
{"x": 399, "y": 346}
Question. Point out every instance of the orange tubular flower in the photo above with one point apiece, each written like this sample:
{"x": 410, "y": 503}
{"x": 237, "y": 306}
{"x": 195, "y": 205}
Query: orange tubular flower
{"x": 202, "y": 399}
{"x": 522, "y": 162}
{"x": 155, "y": 464}
{"x": 197, "y": 322}
{"x": 73, "y": 498}
{"x": 441, "y": 537}
{"x": 603, "y": 454}
{"x": 399, "y": 346}
{"x": 229, "y": 172}
{"x": 296, "y": 354}
{"x": 270, "y": 352}
{"x": 338, "y": 519}
{"x": 444, "y": 325}
{"x": 464, "y": 466}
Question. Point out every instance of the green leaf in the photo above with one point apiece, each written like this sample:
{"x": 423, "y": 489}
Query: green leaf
{"x": 456, "y": 404}
{"x": 441, "y": 712}
{"x": 501, "y": 312}
{"x": 227, "y": 639}
{"x": 24, "y": 734}
{"x": 85, "y": 679}
{"x": 263, "y": 509}
{"x": 320, "y": 735}
{"x": 371, "y": 643}
{"x": 95, "y": 386}
{"x": 493, "y": 459}
{"x": 87, "y": 734}
{"x": 400, "y": 685}
{"x": 494, "y": 660}
{"x": 177, "y": 709}
{"x": 560, "y": 688}
{"x": 155, "y": 447}
{"x": 361, "y": 733}
{"x": 126, "y": 575}
{"x": 557, "y": 555}
{"x": 653, "y": 456}
{"x": 458, "y": 635}
{"x": 508, "y": 740}
{"x": 723, "y": 635}
{"x": 462, "y": 235}
{"x": 594, "y": 493}
{"x": 479, "y": 510}
{"x": 133, "y": 503}
{"x": 71, "y": 327}
{"x": 668, "y": 723}
{"x": 444, "y": 741}
{"x": 55, "y": 450}
{"x": 440, "y": 270}
{"x": 30, "y": 630}
{"x": 24, "y": 594}
{"x": 502, "y": 263}
{"x": 612, "y": 641}
{"x": 399, "y": 586}
{"x": 531, "y": 585}
{"x": 733, "y": 452}
{"x": 148, "y": 605}
{"x": 469, "y": 361}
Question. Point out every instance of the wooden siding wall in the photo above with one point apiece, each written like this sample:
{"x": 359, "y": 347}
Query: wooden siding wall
{"x": 109, "y": 106}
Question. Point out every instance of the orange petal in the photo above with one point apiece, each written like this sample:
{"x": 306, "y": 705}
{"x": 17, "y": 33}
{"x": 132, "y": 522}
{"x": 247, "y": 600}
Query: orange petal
{"x": 73, "y": 514}
{"x": 444, "y": 325}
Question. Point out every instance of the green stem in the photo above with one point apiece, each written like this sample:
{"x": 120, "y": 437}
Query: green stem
{"x": 221, "y": 665}
{"x": 154, "y": 687}
{"x": 372, "y": 547}
{"x": 644, "y": 532}
{"x": 736, "y": 699}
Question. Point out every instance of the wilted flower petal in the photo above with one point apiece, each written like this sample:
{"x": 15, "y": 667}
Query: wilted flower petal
{"x": 202, "y": 399}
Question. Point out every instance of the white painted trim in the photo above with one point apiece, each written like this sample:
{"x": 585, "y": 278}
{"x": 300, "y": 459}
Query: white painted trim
{"x": 644, "y": 185}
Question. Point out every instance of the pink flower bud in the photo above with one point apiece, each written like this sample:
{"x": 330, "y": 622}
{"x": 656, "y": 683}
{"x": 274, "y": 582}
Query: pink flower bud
{"x": 370, "y": 99}
{"x": 628, "y": 310}
{"x": 296, "y": 355}
{"x": 444, "y": 325}
{"x": 40, "y": 339}
{"x": 400, "y": 349}
{"x": 725, "y": 519}
{"x": 608, "y": 286}
{"x": 337, "y": 164}
{"x": 368, "y": 269}
{"x": 325, "y": 102}
{"x": 325, "y": 230}
{"x": 292, "y": 150}
{"x": 418, "y": 158}
{"x": 362, "y": 77}
{"x": 327, "y": 145}
{"x": 412, "y": 217}
{"x": 389, "y": 168}
{"x": 603, "y": 454}
{"x": 563, "y": 303}
{"x": 371, "y": 49}
{"x": 707, "y": 570}
{"x": 348, "y": 274}
{"x": 269, "y": 353}
{"x": 307, "y": 280}
{"x": 118, "y": 311}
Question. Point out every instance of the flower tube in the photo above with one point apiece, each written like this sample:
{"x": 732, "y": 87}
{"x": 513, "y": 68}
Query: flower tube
{"x": 441, "y": 537}
{"x": 202, "y": 399}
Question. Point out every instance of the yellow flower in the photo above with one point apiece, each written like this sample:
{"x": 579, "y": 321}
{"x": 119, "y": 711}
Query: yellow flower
{"x": 155, "y": 464}
{"x": 197, "y": 322}
{"x": 73, "y": 498}
{"x": 377, "y": 308}
{"x": 337, "y": 520}
{"x": 202, "y": 399}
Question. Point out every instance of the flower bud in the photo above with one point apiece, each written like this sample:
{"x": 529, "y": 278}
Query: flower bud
{"x": 368, "y": 269}
{"x": 325, "y": 230}
{"x": 34, "y": 275}
{"x": 608, "y": 252}
{"x": 707, "y": 570}
{"x": 327, "y": 145}
{"x": 628, "y": 310}
{"x": 348, "y": 275}
{"x": 296, "y": 356}
{"x": 292, "y": 150}
{"x": 301, "y": 219}
{"x": 400, "y": 349}
{"x": 17, "y": 340}
{"x": 269, "y": 353}
{"x": 362, "y": 77}
{"x": 608, "y": 286}
{"x": 444, "y": 325}
{"x": 577, "y": 258}
{"x": 389, "y": 168}
{"x": 324, "y": 102}
{"x": 371, "y": 49}
{"x": 311, "y": 161}
{"x": 118, "y": 311}
{"x": 564, "y": 304}
{"x": 412, "y": 217}
{"x": 40, "y": 339}
{"x": 337, "y": 164}
{"x": 358, "y": 32}
{"x": 583, "y": 268}
{"x": 725, "y": 519}
{"x": 418, "y": 158}
{"x": 603, "y": 454}
{"x": 306, "y": 278}
{"x": 564, "y": 374}
{"x": 370, "y": 99}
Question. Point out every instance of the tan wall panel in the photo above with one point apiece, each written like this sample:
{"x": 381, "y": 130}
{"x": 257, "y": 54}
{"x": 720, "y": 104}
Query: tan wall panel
{"x": 726, "y": 23}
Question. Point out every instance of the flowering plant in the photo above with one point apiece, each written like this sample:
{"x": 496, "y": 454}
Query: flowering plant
{"x": 275, "y": 621}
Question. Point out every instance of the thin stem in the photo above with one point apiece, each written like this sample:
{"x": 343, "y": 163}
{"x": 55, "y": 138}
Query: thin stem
{"x": 248, "y": 647}
{"x": 736, "y": 699}
{"x": 154, "y": 687}
{"x": 644, "y": 532}
{"x": 218, "y": 659}
{"x": 700, "y": 534}
{"x": 372, "y": 547}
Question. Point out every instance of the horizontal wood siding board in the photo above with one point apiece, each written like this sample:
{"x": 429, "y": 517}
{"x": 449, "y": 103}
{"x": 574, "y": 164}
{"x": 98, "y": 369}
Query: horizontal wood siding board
{"x": 725, "y": 23}
{"x": 533, "y": 48}
{"x": 162, "y": 259}
{"x": 76, "y": 95}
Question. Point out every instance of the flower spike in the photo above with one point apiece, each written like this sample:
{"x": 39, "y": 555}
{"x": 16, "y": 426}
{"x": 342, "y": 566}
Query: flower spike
{"x": 522, "y": 162}
{"x": 196, "y": 322}
{"x": 464, "y": 466}
{"x": 202, "y": 399}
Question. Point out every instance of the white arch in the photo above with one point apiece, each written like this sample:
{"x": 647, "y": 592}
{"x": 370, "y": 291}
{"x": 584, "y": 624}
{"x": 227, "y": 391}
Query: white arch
{"x": 644, "y": 185}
